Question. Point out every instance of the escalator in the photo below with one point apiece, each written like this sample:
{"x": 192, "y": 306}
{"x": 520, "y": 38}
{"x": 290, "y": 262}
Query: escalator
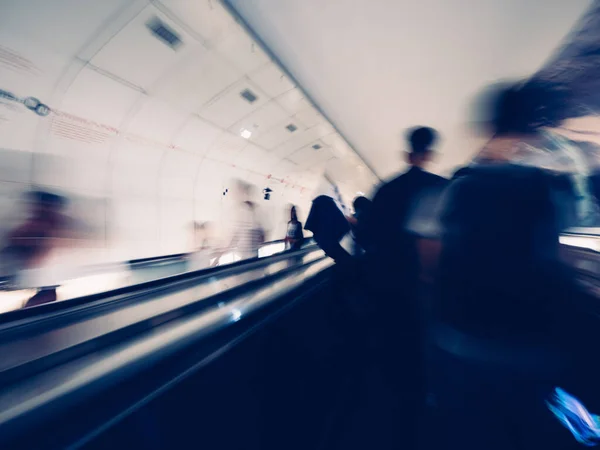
{"x": 246, "y": 356}
{"x": 74, "y": 372}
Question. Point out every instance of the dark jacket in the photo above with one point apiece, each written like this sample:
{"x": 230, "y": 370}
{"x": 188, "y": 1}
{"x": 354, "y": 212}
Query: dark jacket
{"x": 500, "y": 273}
{"x": 394, "y": 246}
{"x": 328, "y": 225}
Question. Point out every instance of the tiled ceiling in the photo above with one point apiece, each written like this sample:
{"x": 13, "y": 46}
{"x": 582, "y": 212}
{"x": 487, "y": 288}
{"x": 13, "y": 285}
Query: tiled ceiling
{"x": 377, "y": 67}
{"x": 111, "y": 70}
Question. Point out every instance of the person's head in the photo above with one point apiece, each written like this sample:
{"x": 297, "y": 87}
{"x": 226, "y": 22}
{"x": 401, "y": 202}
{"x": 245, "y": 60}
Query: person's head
{"x": 515, "y": 113}
{"x": 44, "y": 203}
{"x": 421, "y": 141}
{"x": 361, "y": 205}
{"x": 293, "y": 214}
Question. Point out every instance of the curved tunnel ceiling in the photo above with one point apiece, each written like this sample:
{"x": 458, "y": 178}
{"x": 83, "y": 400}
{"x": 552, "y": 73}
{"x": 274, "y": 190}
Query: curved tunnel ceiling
{"x": 157, "y": 105}
{"x": 376, "y": 67}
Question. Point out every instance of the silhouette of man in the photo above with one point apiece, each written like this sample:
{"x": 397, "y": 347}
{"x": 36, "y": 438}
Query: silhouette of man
{"x": 394, "y": 266}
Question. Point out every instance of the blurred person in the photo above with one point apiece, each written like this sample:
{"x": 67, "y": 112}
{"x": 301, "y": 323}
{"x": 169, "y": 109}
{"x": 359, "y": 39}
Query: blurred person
{"x": 510, "y": 323}
{"x": 247, "y": 232}
{"x": 294, "y": 236}
{"x": 204, "y": 249}
{"x": 359, "y": 222}
{"x": 393, "y": 267}
{"x": 29, "y": 246}
{"x": 328, "y": 222}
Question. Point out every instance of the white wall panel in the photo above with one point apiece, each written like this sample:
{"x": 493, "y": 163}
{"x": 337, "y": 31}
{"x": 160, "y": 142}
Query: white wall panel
{"x": 99, "y": 98}
{"x": 227, "y": 147}
{"x": 18, "y": 127}
{"x": 176, "y": 226}
{"x": 15, "y": 166}
{"x": 197, "y": 136}
{"x": 156, "y": 120}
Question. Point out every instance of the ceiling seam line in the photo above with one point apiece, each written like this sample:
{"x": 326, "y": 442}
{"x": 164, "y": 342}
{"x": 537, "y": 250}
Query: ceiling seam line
{"x": 254, "y": 35}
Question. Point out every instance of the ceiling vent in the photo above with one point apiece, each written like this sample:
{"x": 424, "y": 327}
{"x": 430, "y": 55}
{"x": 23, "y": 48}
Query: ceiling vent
{"x": 291, "y": 127}
{"x": 249, "y": 95}
{"x": 316, "y": 147}
{"x": 164, "y": 33}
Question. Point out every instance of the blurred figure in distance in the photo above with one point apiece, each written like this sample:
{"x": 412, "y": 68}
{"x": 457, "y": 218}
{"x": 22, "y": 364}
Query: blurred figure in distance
{"x": 30, "y": 244}
{"x": 247, "y": 233}
{"x": 328, "y": 222}
{"x": 360, "y": 221}
{"x": 294, "y": 236}
{"x": 204, "y": 249}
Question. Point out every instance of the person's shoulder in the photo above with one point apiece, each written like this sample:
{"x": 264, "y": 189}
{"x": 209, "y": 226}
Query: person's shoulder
{"x": 322, "y": 200}
{"x": 436, "y": 179}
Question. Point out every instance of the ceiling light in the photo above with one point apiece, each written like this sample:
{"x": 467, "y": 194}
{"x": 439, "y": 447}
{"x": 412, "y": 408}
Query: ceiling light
{"x": 316, "y": 146}
{"x": 245, "y": 133}
{"x": 291, "y": 127}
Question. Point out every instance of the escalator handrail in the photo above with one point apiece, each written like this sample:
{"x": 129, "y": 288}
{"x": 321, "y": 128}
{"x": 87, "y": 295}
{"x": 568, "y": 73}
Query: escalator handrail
{"x": 154, "y": 260}
{"x": 97, "y": 372}
{"x": 199, "y": 276}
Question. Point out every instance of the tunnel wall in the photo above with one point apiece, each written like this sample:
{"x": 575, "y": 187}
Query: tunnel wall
{"x": 144, "y": 136}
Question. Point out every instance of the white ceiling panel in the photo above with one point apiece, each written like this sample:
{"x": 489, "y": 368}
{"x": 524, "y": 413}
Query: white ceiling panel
{"x": 197, "y": 136}
{"x": 308, "y": 155}
{"x": 99, "y": 98}
{"x": 301, "y": 138}
{"x": 158, "y": 121}
{"x": 199, "y": 79}
{"x": 60, "y": 25}
{"x": 310, "y": 117}
{"x": 239, "y": 49}
{"x": 29, "y": 68}
{"x": 261, "y": 120}
{"x": 293, "y": 101}
{"x": 271, "y": 80}
{"x": 339, "y": 146}
{"x": 136, "y": 55}
{"x": 208, "y": 18}
{"x": 230, "y": 107}
{"x": 279, "y": 134}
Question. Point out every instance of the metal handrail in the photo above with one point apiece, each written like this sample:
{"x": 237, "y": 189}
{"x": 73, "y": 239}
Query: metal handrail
{"x": 142, "y": 262}
{"x": 28, "y": 401}
{"x": 198, "y": 276}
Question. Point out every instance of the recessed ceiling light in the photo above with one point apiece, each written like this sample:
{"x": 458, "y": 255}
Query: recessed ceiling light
{"x": 316, "y": 146}
{"x": 245, "y": 133}
{"x": 291, "y": 127}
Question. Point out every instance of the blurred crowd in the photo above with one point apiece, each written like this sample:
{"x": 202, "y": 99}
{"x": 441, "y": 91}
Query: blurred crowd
{"x": 457, "y": 289}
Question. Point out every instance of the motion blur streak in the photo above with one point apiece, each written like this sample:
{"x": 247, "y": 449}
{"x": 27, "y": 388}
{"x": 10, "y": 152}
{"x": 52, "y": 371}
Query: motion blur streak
{"x": 584, "y": 426}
